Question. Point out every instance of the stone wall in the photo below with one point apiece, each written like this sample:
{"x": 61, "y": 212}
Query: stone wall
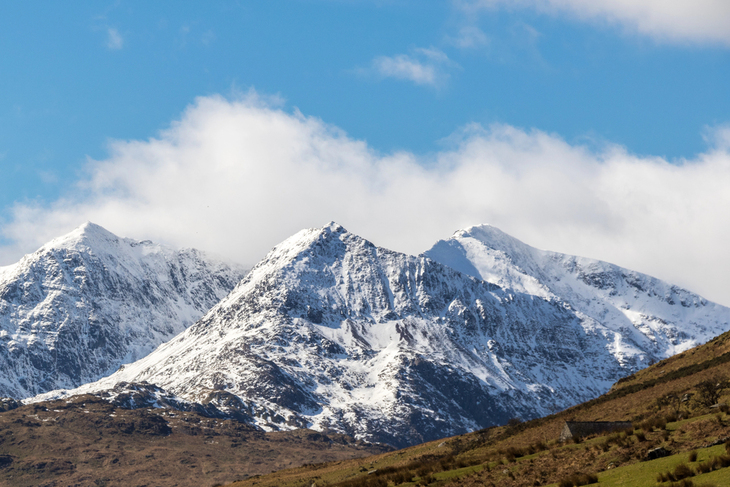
{"x": 586, "y": 428}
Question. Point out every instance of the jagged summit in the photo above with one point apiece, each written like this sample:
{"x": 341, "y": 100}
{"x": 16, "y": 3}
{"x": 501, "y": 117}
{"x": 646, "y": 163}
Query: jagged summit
{"x": 325, "y": 235}
{"x": 87, "y": 234}
{"x": 90, "y": 229}
{"x": 309, "y": 236}
{"x": 459, "y": 251}
{"x": 485, "y": 231}
{"x": 86, "y": 302}
{"x": 314, "y": 256}
{"x": 334, "y": 227}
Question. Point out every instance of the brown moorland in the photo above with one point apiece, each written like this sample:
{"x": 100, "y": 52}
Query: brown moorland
{"x": 87, "y": 441}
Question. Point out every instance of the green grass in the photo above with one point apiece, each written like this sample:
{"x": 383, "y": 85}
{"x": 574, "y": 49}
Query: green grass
{"x": 643, "y": 474}
{"x": 678, "y": 424}
{"x": 718, "y": 477}
{"x": 459, "y": 472}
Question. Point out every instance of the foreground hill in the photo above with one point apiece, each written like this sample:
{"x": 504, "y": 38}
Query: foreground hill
{"x": 334, "y": 333}
{"x": 670, "y": 404}
{"x": 85, "y": 303}
{"x": 87, "y": 441}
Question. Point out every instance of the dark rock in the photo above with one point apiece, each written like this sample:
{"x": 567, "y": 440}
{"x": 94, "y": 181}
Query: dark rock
{"x": 5, "y": 461}
{"x": 657, "y": 453}
{"x": 720, "y": 441}
{"x": 8, "y": 403}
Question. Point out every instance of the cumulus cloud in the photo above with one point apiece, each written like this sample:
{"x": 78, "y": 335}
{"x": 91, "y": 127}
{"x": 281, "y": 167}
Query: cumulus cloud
{"x": 423, "y": 66}
{"x": 114, "y": 39}
{"x": 238, "y": 176}
{"x": 695, "y": 21}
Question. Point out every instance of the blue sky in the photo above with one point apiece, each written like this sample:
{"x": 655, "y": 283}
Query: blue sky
{"x": 67, "y": 88}
{"x": 420, "y": 81}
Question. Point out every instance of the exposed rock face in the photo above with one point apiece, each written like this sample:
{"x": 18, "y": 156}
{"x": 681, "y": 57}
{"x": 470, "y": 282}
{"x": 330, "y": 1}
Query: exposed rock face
{"x": 87, "y": 302}
{"x": 332, "y": 332}
{"x": 8, "y": 403}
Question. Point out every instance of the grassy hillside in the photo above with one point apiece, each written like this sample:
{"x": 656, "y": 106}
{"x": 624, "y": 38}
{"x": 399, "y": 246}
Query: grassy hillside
{"x": 87, "y": 441}
{"x": 669, "y": 403}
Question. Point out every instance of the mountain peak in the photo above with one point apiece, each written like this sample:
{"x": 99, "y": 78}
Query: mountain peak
{"x": 88, "y": 301}
{"x": 646, "y": 313}
{"x": 334, "y": 227}
{"x": 470, "y": 228}
{"x": 90, "y": 227}
{"x": 308, "y": 237}
{"x": 87, "y": 234}
{"x": 455, "y": 251}
{"x": 489, "y": 235}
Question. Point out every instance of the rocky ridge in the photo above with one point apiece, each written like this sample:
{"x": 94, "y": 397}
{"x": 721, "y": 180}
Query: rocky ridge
{"x": 642, "y": 318}
{"x": 86, "y": 303}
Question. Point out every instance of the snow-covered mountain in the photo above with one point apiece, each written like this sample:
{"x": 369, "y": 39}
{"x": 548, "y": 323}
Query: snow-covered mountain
{"x": 85, "y": 303}
{"x": 332, "y": 332}
{"x": 640, "y": 316}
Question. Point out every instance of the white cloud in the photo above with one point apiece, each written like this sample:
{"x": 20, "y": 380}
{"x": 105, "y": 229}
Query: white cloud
{"x": 114, "y": 39}
{"x": 423, "y": 66}
{"x": 719, "y": 137}
{"x": 469, "y": 37}
{"x": 236, "y": 177}
{"x": 695, "y": 21}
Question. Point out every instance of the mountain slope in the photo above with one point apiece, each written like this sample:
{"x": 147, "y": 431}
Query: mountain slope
{"x": 641, "y": 316}
{"x": 528, "y": 454}
{"x": 331, "y": 332}
{"x": 87, "y": 302}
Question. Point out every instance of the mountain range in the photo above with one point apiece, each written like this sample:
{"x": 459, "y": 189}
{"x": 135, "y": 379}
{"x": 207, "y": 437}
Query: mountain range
{"x": 331, "y": 332}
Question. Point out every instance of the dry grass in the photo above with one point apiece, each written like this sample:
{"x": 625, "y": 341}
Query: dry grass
{"x": 90, "y": 442}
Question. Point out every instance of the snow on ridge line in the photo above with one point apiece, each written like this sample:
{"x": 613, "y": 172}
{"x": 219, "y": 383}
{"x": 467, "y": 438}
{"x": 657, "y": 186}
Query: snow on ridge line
{"x": 646, "y": 308}
{"x": 90, "y": 301}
